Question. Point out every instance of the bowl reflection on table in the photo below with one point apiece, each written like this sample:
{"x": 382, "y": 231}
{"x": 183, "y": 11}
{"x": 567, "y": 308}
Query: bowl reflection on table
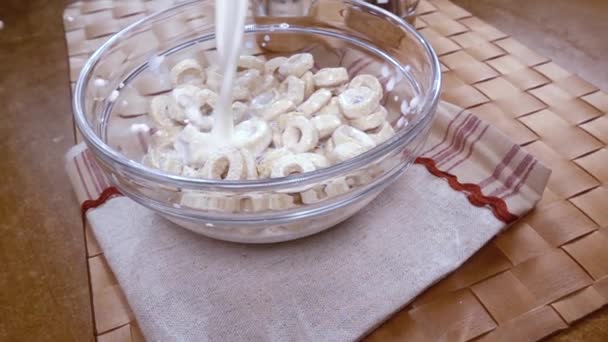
{"x": 114, "y": 89}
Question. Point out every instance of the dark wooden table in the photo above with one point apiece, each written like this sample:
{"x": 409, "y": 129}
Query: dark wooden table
{"x": 44, "y": 294}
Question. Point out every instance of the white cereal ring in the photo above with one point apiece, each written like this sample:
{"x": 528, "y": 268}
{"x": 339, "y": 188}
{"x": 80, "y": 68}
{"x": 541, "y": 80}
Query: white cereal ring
{"x": 358, "y": 102}
{"x": 284, "y": 119}
{"x": 276, "y": 135}
{"x": 251, "y": 62}
{"x": 331, "y": 77}
{"x": 327, "y": 147}
{"x": 240, "y": 93}
{"x": 319, "y": 160}
{"x": 266, "y": 83}
{"x": 208, "y": 97}
{"x": 188, "y": 71}
{"x": 332, "y": 108}
{"x": 276, "y": 108}
{"x": 163, "y": 108}
{"x": 191, "y": 172}
{"x": 249, "y": 79}
{"x": 165, "y": 136}
{"x": 193, "y": 146}
{"x": 315, "y": 102}
{"x": 337, "y": 187}
{"x": 253, "y": 135}
{"x": 214, "y": 79}
{"x": 188, "y": 95}
{"x": 206, "y": 201}
{"x": 225, "y": 163}
{"x": 266, "y": 161}
{"x": 309, "y": 83}
{"x": 293, "y": 89}
{"x": 239, "y": 111}
{"x": 347, "y": 134}
{"x": 346, "y": 151}
{"x": 166, "y": 160}
{"x": 366, "y": 80}
{"x": 291, "y": 164}
{"x": 297, "y": 65}
{"x": 280, "y": 202}
{"x": 300, "y": 135}
{"x": 251, "y": 171}
{"x": 254, "y": 203}
{"x": 313, "y": 195}
{"x": 384, "y": 133}
{"x": 371, "y": 121}
{"x": 326, "y": 124}
{"x": 360, "y": 178}
{"x": 196, "y": 104}
{"x": 273, "y": 64}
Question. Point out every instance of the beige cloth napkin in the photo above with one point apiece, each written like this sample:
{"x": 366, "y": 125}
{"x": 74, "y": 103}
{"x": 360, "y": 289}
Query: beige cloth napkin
{"x": 334, "y": 286}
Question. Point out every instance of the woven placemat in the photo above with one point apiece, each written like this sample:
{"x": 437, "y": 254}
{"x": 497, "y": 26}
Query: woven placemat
{"x": 542, "y": 274}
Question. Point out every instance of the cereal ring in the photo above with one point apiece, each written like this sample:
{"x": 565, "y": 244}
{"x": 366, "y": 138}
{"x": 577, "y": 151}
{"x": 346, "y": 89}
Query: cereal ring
{"x": 188, "y": 71}
{"x": 372, "y": 121}
{"x": 326, "y": 124}
{"x": 332, "y": 108}
{"x": 331, "y": 77}
{"x": 291, "y": 164}
{"x": 358, "y": 102}
{"x": 254, "y": 203}
{"x": 280, "y": 202}
{"x": 300, "y": 135}
{"x": 251, "y": 171}
{"x": 337, "y": 187}
{"x": 293, "y": 89}
{"x": 275, "y": 109}
{"x": 348, "y": 134}
{"x": 207, "y": 201}
{"x": 318, "y": 160}
{"x": 273, "y": 64}
{"x": 214, "y": 79}
{"x": 346, "y": 151}
{"x": 284, "y": 119}
{"x": 248, "y": 78}
{"x": 316, "y": 101}
{"x": 239, "y": 111}
{"x": 165, "y": 136}
{"x": 191, "y": 172}
{"x": 163, "y": 108}
{"x": 225, "y": 163}
{"x": 384, "y": 133}
{"x": 276, "y": 136}
{"x": 165, "y": 160}
{"x": 309, "y": 83}
{"x": 192, "y": 99}
{"x": 253, "y": 135}
{"x": 313, "y": 195}
{"x": 266, "y": 83}
{"x": 251, "y": 62}
{"x": 369, "y": 81}
{"x": 265, "y": 163}
{"x": 193, "y": 145}
{"x": 297, "y": 65}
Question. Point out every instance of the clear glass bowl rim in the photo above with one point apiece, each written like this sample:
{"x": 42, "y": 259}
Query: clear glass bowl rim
{"x": 105, "y": 152}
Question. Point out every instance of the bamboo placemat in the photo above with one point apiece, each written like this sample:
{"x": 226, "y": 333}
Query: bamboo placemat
{"x": 538, "y": 277}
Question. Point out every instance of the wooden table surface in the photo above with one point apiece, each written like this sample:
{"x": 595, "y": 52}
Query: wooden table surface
{"x": 44, "y": 294}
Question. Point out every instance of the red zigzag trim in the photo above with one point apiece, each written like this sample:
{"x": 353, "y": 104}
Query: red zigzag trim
{"x": 103, "y": 197}
{"x": 473, "y": 191}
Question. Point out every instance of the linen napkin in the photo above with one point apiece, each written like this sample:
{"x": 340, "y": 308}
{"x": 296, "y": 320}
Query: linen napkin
{"x": 470, "y": 183}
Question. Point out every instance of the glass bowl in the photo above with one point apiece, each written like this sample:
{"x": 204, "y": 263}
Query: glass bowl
{"x": 112, "y": 96}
